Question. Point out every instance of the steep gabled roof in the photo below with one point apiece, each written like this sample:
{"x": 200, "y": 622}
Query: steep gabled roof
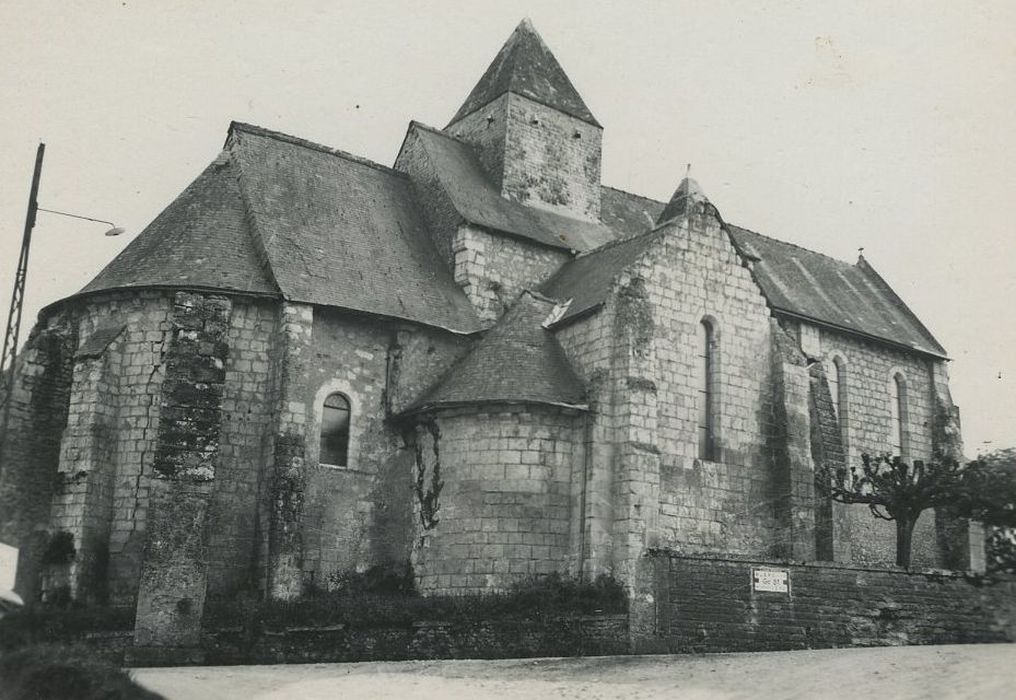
{"x": 279, "y": 215}
{"x": 517, "y": 361}
{"x": 627, "y": 214}
{"x": 341, "y": 231}
{"x": 794, "y": 280}
{"x": 526, "y": 67}
{"x": 586, "y": 280}
{"x": 854, "y": 298}
{"x": 200, "y": 241}
{"x": 479, "y": 202}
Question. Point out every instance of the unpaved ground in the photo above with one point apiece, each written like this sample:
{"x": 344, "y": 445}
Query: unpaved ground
{"x": 967, "y": 671}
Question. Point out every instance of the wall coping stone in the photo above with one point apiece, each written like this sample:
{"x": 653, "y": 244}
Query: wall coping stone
{"x": 763, "y": 561}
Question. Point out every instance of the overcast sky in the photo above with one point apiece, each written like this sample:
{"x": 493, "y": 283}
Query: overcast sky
{"x": 830, "y": 125}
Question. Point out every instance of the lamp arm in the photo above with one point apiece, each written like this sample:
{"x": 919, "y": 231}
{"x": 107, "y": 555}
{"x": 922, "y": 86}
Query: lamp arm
{"x": 74, "y": 216}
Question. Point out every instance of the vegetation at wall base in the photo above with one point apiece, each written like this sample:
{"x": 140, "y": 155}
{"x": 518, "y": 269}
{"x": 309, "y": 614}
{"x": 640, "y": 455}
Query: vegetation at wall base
{"x": 359, "y": 605}
{"x": 51, "y": 624}
{"x": 40, "y": 672}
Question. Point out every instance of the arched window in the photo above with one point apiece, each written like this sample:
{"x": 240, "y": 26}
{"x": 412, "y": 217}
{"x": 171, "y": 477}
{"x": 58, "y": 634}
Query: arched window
{"x": 838, "y": 392}
{"x": 898, "y": 414}
{"x": 705, "y": 369}
{"x": 335, "y": 431}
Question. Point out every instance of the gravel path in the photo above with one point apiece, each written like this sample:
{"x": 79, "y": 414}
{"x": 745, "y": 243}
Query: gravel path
{"x": 958, "y": 671}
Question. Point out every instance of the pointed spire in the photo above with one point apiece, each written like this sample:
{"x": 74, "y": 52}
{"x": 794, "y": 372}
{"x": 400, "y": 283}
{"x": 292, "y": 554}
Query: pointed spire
{"x": 526, "y": 67}
{"x": 687, "y": 195}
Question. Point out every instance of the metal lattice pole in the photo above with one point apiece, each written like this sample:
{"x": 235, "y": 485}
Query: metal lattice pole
{"x": 17, "y": 299}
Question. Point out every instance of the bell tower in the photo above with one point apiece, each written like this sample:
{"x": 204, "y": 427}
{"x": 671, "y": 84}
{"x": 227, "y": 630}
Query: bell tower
{"x": 534, "y": 134}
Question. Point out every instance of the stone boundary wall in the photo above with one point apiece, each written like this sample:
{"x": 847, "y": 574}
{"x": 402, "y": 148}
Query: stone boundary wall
{"x": 587, "y": 635}
{"x": 575, "y": 635}
{"x": 706, "y": 604}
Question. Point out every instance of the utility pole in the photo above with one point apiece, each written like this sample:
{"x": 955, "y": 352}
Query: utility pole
{"x": 17, "y": 298}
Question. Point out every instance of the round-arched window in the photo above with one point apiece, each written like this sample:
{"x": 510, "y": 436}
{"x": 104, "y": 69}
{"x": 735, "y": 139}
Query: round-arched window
{"x": 335, "y": 431}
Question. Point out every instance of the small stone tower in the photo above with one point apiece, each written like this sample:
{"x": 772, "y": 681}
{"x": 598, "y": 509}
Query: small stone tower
{"x": 535, "y": 136}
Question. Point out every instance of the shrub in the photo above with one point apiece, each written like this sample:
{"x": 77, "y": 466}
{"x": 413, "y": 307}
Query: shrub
{"x": 378, "y": 601}
{"x": 44, "y": 624}
{"x": 376, "y": 579}
{"x": 65, "y": 672}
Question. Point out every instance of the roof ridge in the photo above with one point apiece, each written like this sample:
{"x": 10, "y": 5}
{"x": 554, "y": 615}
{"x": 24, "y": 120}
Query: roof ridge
{"x": 438, "y": 132}
{"x": 632, "y": 194}
{"x": 794, "y": 245}
{"x": 866, "y": 269}
{"x": 618, "y": 241}
{"x": 306, "y": 143}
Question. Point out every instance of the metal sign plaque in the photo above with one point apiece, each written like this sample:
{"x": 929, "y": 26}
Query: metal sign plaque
{"x": 770, "y": 580}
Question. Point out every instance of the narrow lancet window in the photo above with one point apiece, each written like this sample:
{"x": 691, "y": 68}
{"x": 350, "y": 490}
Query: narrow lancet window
{"x": 335, "y": 431}
{"x": 898, "y": 414}
{"x": 705, "y": 367}
{"x": 838, "y": 393}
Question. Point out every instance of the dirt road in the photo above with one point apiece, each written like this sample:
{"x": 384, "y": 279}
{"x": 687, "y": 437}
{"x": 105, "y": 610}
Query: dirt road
{"x": 967, "y": 671}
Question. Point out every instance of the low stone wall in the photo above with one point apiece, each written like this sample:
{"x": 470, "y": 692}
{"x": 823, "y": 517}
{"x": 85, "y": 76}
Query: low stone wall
{"x": 721, "y": 604}
{"x": 591, "y": 635}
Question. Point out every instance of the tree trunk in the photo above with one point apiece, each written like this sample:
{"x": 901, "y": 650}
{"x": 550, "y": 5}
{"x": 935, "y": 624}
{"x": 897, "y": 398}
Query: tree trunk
{"x": 904, "y": 539}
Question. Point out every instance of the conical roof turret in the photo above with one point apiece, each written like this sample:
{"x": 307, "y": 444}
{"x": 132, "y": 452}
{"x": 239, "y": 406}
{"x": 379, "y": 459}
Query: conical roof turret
{"x": 684, "y": 201}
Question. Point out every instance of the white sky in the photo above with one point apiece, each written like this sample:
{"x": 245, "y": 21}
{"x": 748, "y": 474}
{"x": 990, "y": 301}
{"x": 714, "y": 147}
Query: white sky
{"x": 832, "y": 125}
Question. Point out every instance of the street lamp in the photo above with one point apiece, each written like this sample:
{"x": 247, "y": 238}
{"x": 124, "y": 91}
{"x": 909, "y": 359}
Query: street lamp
{"x": 114, "y": 231}
{"x": 17, "y": 296}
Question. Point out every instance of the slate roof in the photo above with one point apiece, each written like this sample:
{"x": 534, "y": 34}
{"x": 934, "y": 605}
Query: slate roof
{"x": 526, "y": 67}
{"x": 479, "y": 202}
{"x": 587, "y": 279}
{"x": 335, "y": 230}
{"x": 627, "y": 214}
{"x": 517, "y": 361}
{"x": 851, "y": 297}
{"x": 342, "y": 231}
{"x": 794, "y": 280}
{"x": 201, "y": 240}
{"x": 681, "y": 202}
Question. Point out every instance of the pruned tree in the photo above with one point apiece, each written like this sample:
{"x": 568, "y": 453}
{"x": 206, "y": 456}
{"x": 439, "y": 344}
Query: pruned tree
{"x": 894, "y": 490}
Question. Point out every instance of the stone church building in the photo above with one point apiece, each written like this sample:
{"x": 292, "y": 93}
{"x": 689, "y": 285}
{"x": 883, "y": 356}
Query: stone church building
{"x": 480, "y": 360}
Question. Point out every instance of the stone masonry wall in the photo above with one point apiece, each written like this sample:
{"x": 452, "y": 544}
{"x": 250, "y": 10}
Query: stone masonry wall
{"x": 109, "y": 446}
{"x": 537, "y": 155}
{"x": 726, "y": 504}
{"x": 502, "y": 512}
{"x": 81, "y": 509}
{"x": 706, "y": 604}
{"x": 174, "y": 571}
{"x": 486, "y": 130}
{"x": 246, "y": 416}
{"x": 349, "y": 357}
{"x": 552, "y": 160}
{"x": 494, "y": 269}
{"x": 590, "y": 344}
{"x": 869, "y": 369}
{"x": 361, "y": 514}
{"x": 30, "y": 450}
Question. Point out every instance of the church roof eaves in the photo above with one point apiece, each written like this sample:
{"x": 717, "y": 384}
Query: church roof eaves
{"x": 345, "y": 232}
{"x": 517, "y": 361}
{"x": 201, "y": 240}
{"x": 816, "y": 287}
